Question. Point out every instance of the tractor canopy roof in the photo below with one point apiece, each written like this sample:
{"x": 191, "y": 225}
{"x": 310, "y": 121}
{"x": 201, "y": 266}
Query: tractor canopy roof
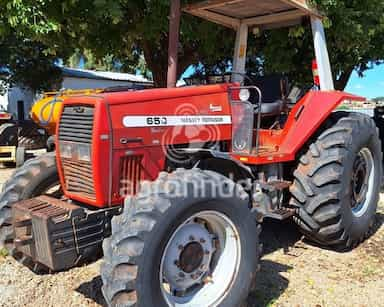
{"x": 266, "y": 14}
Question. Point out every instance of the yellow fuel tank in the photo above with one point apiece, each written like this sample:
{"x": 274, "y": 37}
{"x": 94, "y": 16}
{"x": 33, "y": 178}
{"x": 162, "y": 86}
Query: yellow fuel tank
{"x": 45, "y": 112}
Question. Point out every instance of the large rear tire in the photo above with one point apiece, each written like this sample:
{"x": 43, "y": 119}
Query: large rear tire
{"x": 37, "y": 176}
{"x": 195, "y": 248}
{"x": 8, "y": 134}
{"x": 337, "y": 183}
{"x": 31, "y": 136}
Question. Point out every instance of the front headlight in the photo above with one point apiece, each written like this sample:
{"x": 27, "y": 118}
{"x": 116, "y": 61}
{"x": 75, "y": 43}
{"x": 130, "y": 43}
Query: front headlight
{"x": 75, "y": 151}
{"x": 244, "y": 94}
{"x": 84, "y": 152}
{"x": 65, "y": 150}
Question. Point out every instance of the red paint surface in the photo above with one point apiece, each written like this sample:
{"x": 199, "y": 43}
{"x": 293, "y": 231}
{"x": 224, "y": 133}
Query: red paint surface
{"x": 111, "y": 108}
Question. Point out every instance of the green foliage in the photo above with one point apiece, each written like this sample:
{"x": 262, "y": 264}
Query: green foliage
{"x": 135, "y": 34}
{"x": 355, "y": 37}
{"x": 26, "y": 63}
{"x": 24, "y": 58}
{"x": 125, "y": 30}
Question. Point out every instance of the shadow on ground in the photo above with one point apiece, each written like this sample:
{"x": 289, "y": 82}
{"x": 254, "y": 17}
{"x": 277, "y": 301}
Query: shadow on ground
{"x": 279, "y": 235}
{"x": 270, "y": 284}
{"x": 92, "y": 290}
{"x": 379, "y": 221}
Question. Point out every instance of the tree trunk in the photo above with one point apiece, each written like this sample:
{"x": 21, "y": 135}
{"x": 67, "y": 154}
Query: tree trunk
{"x": 157, "y": 61}
{"x": 343, "y": 79}
{"x": 173, "y": 46}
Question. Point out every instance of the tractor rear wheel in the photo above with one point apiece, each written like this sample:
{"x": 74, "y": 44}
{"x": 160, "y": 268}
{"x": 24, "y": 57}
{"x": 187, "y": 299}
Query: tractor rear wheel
{"x": 188, "y": 247}
{"x": 31, "y": 136}
{"x": 36, "y": 177}
{"x": 337, "y": 182}
{"x": 8, "y": 134}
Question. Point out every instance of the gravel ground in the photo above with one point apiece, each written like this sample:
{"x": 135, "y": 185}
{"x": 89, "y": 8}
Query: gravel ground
{"x": 293, "y": 273}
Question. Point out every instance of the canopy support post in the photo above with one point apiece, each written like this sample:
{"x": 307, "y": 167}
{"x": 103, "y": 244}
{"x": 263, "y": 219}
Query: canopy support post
{"x": 322, "y": 57}
{"x": 174, "y": 28}
{"x": 240, "y": 56}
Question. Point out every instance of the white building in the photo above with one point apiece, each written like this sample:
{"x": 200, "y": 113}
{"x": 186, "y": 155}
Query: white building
{"x": 17, "y": 98}
{"x": 85, "y": 79}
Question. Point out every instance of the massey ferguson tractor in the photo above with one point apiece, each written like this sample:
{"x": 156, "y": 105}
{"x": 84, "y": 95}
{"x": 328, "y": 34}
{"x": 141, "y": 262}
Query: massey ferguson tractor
{"x": 173, "y": 184}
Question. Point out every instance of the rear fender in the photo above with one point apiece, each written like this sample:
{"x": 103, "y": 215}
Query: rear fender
{"x": 307, "y": 116}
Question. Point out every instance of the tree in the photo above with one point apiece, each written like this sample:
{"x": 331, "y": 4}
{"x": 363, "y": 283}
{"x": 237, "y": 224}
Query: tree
{"x": 25, "y": 63}
{"x": 24, "y": 60}
{"x": 355, "y": 37}
{"x": 129, "y": 31}
{"x": 126, "y": 30}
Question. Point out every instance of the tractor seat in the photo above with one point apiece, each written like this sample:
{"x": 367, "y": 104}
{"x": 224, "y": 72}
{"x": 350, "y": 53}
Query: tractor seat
{"x": 274, "y": 91}
{"x": 271, "y": 108}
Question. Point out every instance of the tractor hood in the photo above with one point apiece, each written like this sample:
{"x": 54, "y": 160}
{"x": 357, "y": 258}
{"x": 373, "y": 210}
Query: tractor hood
{"x": 109, "y": 138}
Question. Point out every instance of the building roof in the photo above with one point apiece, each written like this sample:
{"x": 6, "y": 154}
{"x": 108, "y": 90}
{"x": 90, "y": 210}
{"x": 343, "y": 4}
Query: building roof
{"x": 103, "y": 75}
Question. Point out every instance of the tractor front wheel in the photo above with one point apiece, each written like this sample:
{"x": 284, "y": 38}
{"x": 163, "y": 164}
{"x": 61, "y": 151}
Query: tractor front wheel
{"x": 337, "y": 183}
{"x": 188, "y": 239}
{"x": 36, "y": 177}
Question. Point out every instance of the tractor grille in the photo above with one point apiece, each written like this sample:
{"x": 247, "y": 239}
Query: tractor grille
{"x": 79, "y": 177}
{"x": 76, "y": 125}
{"x": 131, "y": 171}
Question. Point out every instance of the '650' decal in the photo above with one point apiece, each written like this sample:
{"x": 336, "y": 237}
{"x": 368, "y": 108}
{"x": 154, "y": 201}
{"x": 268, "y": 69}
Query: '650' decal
{"x": 166, "y": 121}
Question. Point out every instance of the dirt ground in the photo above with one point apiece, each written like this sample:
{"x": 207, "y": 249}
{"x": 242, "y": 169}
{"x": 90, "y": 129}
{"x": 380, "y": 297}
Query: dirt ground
{"x": 293, "y": 273}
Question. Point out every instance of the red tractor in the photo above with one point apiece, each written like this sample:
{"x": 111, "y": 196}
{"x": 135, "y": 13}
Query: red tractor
{"x": 174, "y": 183}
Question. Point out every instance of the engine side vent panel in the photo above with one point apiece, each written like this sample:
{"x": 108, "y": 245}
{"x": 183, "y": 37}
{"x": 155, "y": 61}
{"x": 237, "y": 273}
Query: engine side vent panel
{"x": 131, "y": 170}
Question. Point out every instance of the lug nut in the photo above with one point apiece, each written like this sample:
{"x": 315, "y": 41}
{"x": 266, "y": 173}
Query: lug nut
{"x": 191, "y": 238}
{"x": 208, "y": 280}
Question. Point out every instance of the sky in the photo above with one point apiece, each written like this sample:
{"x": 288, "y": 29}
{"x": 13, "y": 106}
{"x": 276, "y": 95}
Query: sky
{"x": 370, "y": 86}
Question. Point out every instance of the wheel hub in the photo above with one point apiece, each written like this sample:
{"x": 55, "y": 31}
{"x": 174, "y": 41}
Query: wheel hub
{"x": 188, "y": 257}
{"x": 191, "y": 257}
{"x": 360, "y": 182}
{"x": 200, "y": 261}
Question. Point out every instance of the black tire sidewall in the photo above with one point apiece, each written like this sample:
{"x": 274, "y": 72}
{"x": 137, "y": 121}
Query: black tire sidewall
{"x": 37, "y": 182}
{"x": 148, "y": 287}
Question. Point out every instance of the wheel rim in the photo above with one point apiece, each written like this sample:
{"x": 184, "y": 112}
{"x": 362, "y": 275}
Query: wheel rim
{"x": 362, "y": 182}
{"x": 201, "y": 261}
